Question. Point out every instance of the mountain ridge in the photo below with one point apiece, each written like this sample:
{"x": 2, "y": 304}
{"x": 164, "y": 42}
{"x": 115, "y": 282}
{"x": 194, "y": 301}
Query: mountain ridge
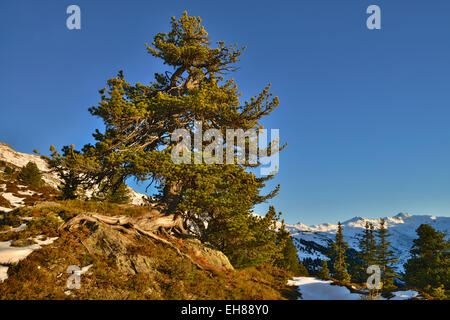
{"x": 402, "y": 226}
{"x": 19, "y": 159}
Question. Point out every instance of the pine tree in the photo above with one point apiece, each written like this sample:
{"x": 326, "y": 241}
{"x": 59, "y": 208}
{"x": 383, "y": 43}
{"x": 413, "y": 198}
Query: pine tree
{"x": 429, "y": 266}
{"x": 30, "y": 175}
{"x": 119, "y": 194}
{"x": 69, "y": 185}
{"x": 385, "y": 258}
{"x": 140, "y": 121}
{"x": 338, "y": 249}
{"x": 324, "y": 272}
{"x": 289, "y": 259}
{"x": 114, "y": 191}
{"x": 367, "y": 254}
{"x": 247, "y": 240}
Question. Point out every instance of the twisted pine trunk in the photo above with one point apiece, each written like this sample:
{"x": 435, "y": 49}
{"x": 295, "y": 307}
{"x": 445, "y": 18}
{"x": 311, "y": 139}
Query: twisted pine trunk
{"x": 147, "y": 225}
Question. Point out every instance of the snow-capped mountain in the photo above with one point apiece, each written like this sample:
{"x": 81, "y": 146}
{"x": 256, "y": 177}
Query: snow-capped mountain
{"x": 311, "y": 241}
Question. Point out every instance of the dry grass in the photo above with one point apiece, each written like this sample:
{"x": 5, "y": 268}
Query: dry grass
{"x": 42, "y": 275}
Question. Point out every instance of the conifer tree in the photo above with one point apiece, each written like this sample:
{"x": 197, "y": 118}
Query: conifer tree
{"x": 30, "y": 175}
{"x": 69, "y": 185}
{"x": 324, "y": 271}
{"x": 367, "y": 254}
{"x": 114, "y": 191}
{"x": 385, "y": 258}
{"x": 338, "y": 249}
{"x": 429, "y": 266}
{"x": 119, "y": 194}
{"x": 247, "y": 240}
{"x": 137, "y": 140}
{"x": 289, "y": 259}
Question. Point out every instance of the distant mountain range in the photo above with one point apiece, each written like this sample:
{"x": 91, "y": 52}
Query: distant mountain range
{"x": 311, "y": 241}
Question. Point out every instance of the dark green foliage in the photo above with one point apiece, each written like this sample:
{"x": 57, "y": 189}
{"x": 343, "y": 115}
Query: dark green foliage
{"x": 289, "y": 259}
{"x": 385, "y": 258}
{"x": 247, "y": 240}
{"x": 114, "y": 191}
{"x": 338, "y": 257}
{"x": 367, "y": 254}
{"x": 71, "y": 179}
{"x": 10, "y": 219}
{"x": 9, "y": 171}
{"x": 30, "y": 175}
{"x": 324, "y": 271}
{"x": 119, "y": 194}
{"x": 69, "y": 186}
{"x": 429, "y": 266}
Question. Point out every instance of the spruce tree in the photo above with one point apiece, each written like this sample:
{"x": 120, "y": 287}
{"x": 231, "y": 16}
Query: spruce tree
{"x": 324, "y": 272}
{"x": 289, "y": 259}
{"x": 367, "y": 254}
{"x": 247, "y": 240}
{"x": 385, "y": 258}
{"x": 114, "y": 191}
{"x": 338, "y": 249}
{"x": 30, "y": 175}
{"x": 429, "y": 266}
{"x": 119, "y": 194}
{"x": 69, "y": 186}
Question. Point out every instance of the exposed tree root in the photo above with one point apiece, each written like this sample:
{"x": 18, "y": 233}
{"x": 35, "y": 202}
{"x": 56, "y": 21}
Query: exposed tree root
{"x": 146, "y": 225}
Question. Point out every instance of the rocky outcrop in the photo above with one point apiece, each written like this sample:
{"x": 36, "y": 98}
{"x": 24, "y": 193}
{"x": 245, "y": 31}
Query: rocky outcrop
{"x": 112, "y": 243}
{"x": 215, "y": 257}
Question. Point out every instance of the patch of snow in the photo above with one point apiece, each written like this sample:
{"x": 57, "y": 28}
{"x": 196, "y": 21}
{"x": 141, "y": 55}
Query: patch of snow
{"x": 27, "y": 193}
{"x": 47, "y": 241}
{"x": 3, "y": 273}
{"x": 404, "y": 295}
{"x": 316, "y": 289}
{"x": 19, "y": 228}
{"x": 5, "y": 209}
{"x": 85, "y": 269}
{"x": 15, "y": 201}
{"x": 10, "y": 254}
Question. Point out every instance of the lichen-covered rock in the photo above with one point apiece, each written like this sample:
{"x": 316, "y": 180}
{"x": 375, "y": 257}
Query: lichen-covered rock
{"x": 215, "y": 257}
{"x": 113, "y": 244}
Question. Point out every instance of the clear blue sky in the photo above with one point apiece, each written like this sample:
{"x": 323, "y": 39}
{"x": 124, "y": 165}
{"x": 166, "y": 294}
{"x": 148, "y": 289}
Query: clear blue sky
{"x": 366, "y": 113}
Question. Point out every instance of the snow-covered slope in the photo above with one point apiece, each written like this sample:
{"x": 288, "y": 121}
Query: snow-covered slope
{"x": 311, "y": 240}
{"x": 19, "y": 159}
{"x": 316, "y": 289}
